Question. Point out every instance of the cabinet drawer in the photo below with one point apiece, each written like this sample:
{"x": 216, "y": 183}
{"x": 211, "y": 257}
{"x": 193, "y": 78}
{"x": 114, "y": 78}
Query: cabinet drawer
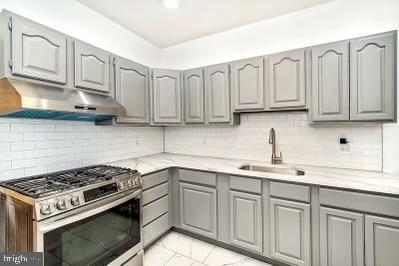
{"x": 360, "y": 201}
{"x": 290, "y": 191}
{"x": 198, "y": 177}
{"x": 155, "y": 209}
{"x": 246, "y": 184}
{"x": 155, "y": 193}
{"x": 154, "y": 179}
{"x": 155, "y": 229}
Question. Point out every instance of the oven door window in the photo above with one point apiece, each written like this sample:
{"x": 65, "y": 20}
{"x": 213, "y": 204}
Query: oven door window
{"x": 96, "y": 240}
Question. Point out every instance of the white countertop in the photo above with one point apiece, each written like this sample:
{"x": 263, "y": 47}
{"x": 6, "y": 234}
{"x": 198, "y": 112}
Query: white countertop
{"x": 324, "y": 176}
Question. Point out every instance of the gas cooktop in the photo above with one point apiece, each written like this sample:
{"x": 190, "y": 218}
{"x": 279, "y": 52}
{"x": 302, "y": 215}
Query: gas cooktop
{"x": 53, "y": 183}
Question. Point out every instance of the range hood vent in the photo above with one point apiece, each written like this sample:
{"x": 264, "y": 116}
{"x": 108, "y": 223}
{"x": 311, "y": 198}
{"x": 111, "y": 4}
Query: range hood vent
{"x": 20, "y": 99}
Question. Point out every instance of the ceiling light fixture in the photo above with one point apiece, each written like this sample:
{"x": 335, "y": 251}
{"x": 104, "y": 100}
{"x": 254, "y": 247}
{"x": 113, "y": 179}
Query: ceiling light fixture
{"x": 171, "y": 4}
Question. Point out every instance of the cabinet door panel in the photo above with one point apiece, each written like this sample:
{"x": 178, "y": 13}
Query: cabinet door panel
{"x": 194, "y": 96}
{"x": 247, "y": 82}
{"x": 166, "y": 96}
{"x": 91, "y": 68}
{"x": 287, "y": 79}
{"x": 290, "y": 231}
{"x": 382, "y": 240}
{"x": 38, "y": 52}
{"x": 198, "y": 209}
{"x": 217, "y": 84}
{"x": 246, "y": 220}
{"x": 372, "y": 63}
{"x": 341, "y": 238}
{"x": 132, "y": 90}
{"x": 330, "y": 82}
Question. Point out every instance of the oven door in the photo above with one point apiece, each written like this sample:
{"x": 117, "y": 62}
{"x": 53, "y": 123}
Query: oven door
{"x": 107, "y": 232}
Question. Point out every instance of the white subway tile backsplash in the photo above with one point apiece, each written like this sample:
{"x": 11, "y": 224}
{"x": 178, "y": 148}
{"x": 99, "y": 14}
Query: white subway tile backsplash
{"x": 299, "y": 142}
{"x": 29, "y": 147}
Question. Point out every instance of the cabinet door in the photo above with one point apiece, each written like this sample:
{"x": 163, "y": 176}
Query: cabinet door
{"x": 287, "y": 79}
{"x": 217, "y": 86}
{"x": 132, "y": 90}
{"x": 341, "y": 238}
{"x": 38, "y": 52}
{"x": 246, "y": 220}
{"x": 198, "y": 209}
{"x": 382, "y": 240}
{"x": 247, "y": 83}
{"x": 166, "y": 91}
{"x": 372, "y": 81}
{"x": 194, "y": 96}
{"x": 91, "y": 68}
{"x": 330, "y": 82}
{"x": 290, "y": 231}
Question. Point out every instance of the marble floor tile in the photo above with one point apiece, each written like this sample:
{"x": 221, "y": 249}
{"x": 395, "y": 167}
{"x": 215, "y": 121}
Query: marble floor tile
{"x": 157, "y": 256}
{"x": 187, "y": 246}
{"x": 176, "y": 249}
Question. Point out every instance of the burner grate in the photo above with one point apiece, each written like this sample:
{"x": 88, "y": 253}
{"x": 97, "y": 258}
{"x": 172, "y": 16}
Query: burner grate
{"x": 44, "y": 185}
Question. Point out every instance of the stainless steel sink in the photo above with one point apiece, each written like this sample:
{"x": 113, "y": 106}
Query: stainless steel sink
{"x": 270, "y": 169}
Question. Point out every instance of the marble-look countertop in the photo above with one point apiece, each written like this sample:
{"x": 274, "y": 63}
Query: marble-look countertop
{"x": 324, "y": 176}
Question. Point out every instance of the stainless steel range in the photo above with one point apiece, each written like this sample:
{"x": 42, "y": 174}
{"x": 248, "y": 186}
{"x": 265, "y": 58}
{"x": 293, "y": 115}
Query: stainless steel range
{"x": 84, "y": 216}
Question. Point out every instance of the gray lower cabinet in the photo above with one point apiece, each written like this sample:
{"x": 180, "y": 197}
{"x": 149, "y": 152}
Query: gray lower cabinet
{"x": 197, "y": 206}
{"x": 382, "y": 241}
{"x": 372, "y": 81}
{"x": 37, "y": 52}
{"x": 330, "y": 82}
{"x": 166, "y": 96}
{"x": 290, "y": 231}
{"x": 132, "y": 91}
{"x": 92, "y": 68}
{"x": 248, "y": 84}
{"x": 246, "y": 221}
{"x": 217, "y": 90}
{"x": 341, "y": 238}
{"x": 194, "y": 96}
{"x": 286, "y": 75}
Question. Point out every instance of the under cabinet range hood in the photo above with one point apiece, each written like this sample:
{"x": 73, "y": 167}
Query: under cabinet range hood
{"x": 20, "y": 99}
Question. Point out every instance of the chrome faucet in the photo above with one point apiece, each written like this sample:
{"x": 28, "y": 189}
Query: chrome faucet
{"x": 272, "y": 140}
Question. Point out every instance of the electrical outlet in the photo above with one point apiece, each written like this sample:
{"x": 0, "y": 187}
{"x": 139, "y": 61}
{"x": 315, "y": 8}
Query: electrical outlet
{"x": 345, "y": 148}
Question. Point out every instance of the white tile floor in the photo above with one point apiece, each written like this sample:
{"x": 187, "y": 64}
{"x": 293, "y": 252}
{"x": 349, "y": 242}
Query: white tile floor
{"x": 176, "y": 249}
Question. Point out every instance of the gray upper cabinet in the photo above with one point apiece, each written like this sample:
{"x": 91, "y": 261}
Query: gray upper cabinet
{"x": 286, "y": 75}
{"x": 341, "y": 238}
{"x": 217, "y": 89}
{"x": 166, "y": 96}
{"x": 290, "y": 231}
{"x": 194, "y": 96}
{"x": 382, "y": 238}
{"x": 247, "y": 83}
{"x": 330, "y": 82}
{"x": 91, "y": 68}
{"x": 246, "y": 220}
{"x": 38, "y": 52}
{"x": 372, "y": 81}
{"x": 198, "y": 209}
{"x": 132, "y": 91}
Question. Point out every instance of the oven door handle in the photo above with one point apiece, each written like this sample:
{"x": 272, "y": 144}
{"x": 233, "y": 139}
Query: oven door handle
{"x": 86, "y": 211}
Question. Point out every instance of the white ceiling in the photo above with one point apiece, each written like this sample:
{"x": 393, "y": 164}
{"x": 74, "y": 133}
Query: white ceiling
{"x": 194, "y": 19}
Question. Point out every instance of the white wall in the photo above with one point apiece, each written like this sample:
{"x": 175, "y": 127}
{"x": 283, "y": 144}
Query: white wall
{"x": 340, "y": 19}
{"x": 30, "y": 147}
{"x": 299, "y": 142}
{"x": 77, "y": 20}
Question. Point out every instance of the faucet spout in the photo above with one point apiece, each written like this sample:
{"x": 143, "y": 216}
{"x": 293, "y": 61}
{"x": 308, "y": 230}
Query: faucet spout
{"x": 272, "y": 140}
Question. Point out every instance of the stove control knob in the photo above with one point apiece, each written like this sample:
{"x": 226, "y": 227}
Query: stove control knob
{"x": 45, "y": 209}
{"x": 75, "y": 201}
{"x": 130, "y": 183}
{"x": 61, "y": 205}
{"x": 121, "y": 185}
